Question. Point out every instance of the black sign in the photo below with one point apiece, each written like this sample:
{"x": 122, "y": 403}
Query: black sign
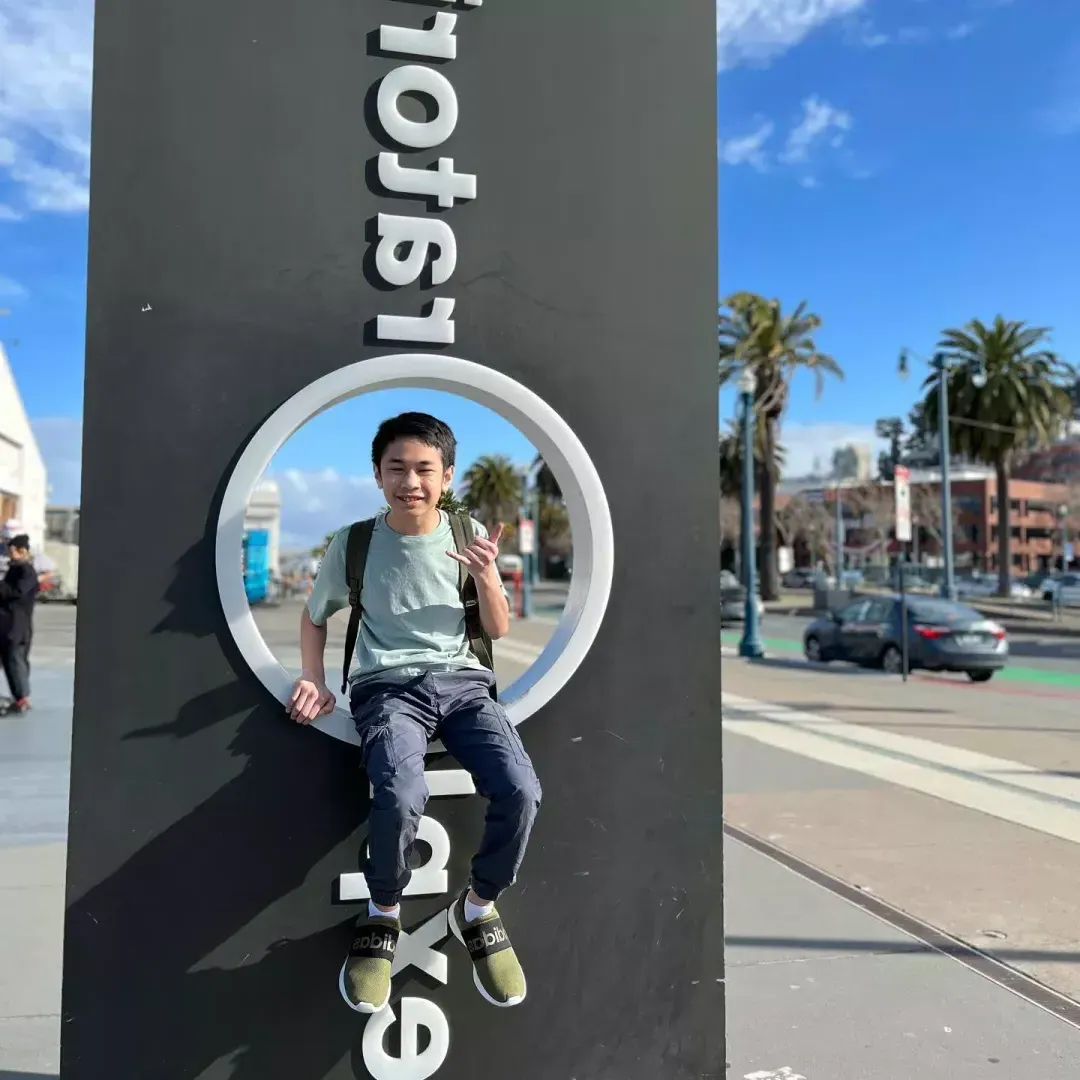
{"x": 295, "y": 201}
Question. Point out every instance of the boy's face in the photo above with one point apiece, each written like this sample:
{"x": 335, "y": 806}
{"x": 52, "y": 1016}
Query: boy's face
{"x": 412, "y": 477}
{"x": 17, "y": 554}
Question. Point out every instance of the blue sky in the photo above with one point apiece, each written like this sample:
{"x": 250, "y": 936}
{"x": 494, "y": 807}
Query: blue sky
{"x": 903, "y": 165}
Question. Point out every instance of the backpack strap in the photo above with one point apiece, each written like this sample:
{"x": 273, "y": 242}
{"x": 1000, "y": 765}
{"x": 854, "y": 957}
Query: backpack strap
{"x": 479, "y": 641}
{"x": 356, "y": 552}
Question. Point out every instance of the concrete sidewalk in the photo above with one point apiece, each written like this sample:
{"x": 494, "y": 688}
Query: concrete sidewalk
{"x": 818, "y": 990}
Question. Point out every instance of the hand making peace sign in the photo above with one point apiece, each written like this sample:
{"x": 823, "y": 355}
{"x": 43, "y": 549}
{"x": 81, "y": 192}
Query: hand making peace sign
{"x": 479, "y": 557}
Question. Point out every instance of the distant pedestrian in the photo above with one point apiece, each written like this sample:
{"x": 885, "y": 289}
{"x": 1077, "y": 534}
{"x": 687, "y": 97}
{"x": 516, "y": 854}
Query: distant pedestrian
{"x": 18, "y": 591}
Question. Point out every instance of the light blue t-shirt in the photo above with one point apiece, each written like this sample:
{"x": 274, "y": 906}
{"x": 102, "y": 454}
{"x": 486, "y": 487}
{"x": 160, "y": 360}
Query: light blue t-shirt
{"x": 413, "y": 620}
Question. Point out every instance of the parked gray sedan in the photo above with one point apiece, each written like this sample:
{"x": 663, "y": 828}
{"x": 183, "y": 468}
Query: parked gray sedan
{"x": 942, "y": 635}
{"x": 733, "y": 599}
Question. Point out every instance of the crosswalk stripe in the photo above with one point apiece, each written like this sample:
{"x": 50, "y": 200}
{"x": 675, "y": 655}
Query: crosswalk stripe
{"x": 1003, "y": 789}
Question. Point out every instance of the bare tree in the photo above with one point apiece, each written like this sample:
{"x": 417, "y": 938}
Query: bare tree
{"x": 876, "y": 506}
{"x": 806, "y": 519}
{"x": 1070, "y": 524}
{"x": 926, "y": 512}
{"x": 730, "y": 518}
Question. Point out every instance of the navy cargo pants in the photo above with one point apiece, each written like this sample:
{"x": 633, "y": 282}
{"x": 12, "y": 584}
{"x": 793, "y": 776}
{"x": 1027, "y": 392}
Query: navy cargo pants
{"x": 396, "y": 718}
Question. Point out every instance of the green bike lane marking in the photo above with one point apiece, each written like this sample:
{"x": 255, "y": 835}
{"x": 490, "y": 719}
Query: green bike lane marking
{"x": 1012, "y": 673}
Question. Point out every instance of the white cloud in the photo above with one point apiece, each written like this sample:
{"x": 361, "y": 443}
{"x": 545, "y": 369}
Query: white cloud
{"x": 819, "y": 120}
{"x": 59, "y": 439}
{"x": 862, "y": 33}
{"x": 756, "y": 31}
{"x": 913, "y": 35}
{"x": 818, "y": 124}
{"x": 317, "y": 502}
{"x": 748, "y": 149}
{"x": 810, "y": 446}
{"x": 960, "y": 31}
{"x": 11, "y": 290}
{"x": 46, "y": 52}
{"x": 873, "y": 39}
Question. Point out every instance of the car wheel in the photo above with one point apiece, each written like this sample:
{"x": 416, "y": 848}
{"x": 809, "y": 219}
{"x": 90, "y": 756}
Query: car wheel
{"x": 813, "y": 650}
{"x": 892, "y": 661}
{"x": 980, "y": 676}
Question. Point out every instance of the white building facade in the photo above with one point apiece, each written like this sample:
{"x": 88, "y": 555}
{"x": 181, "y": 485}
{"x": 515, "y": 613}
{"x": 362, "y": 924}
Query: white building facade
{"x": 264, "y": 512}
{"x": 24, "y": 486}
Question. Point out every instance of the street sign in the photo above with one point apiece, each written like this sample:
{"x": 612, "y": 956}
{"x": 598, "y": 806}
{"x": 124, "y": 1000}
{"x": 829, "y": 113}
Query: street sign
{"x": 526, "y": 537}
{"x": 902, "y": 486}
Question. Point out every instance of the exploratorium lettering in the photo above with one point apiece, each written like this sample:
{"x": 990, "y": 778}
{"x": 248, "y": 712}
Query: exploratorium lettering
{"x": 406, "y": 246}
{"x": 417, "y": 236}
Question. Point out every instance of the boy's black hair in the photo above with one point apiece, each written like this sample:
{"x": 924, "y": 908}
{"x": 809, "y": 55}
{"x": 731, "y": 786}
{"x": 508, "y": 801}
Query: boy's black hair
{"x": 415, "y": 425}
{"x": 22, "y": 542}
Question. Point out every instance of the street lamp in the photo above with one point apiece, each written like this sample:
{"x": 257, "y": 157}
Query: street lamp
{"x": 940, "y": 365}
{"x": 1063, "y": 515}
{"x": 750, "y": 645}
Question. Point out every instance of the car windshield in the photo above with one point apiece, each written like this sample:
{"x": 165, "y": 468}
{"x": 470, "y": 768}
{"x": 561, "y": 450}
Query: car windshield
{"x": 941, "y": 611}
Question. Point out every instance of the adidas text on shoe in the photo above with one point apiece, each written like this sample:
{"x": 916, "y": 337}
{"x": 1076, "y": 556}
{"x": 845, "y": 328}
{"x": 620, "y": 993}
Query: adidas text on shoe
{"x": 364, "y": 981}
{"x": 497, "y": 973}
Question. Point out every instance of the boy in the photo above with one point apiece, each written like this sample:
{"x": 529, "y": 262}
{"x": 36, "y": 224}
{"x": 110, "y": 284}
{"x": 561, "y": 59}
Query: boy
{"x": 18, "y": 590}
{"x": 418, "y": 680}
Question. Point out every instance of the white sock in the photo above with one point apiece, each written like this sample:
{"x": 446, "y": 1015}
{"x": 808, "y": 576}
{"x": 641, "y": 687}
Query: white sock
{"x": 476, "y": 911}
{"x": 375, "y": 913}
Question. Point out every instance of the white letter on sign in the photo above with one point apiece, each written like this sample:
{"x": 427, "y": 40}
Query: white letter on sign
{"x": 443, "y": 181}
{"x": 438, "y": 42}
{"x": 420, "y": 234}
{"x": 418, "y": 949}
{"x": 412, "y": 78}
{"x": 436, "y": 328}
{"x": 412, "y": 1065}
{"x": 431, "y": 879}
{"x": 443, "y": 783}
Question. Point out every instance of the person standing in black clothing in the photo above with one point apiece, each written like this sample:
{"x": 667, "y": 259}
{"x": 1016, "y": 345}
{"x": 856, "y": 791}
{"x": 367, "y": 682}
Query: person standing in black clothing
{"x": 18, "y": 592}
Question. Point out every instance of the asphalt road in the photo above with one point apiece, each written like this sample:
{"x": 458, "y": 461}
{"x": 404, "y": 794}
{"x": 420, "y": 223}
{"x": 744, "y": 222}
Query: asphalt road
{"x": 1026, "y": 650}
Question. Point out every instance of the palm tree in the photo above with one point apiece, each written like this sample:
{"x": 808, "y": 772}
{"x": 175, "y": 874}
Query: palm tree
{"x": 731, "y": 474}
{"x": 319, "y": 551}
{"x": 892, "y": 429}
{"x": 731, "y": 444}
{"x": 755, "y": 333}
{"x": 449, "y": 502}
{"x": 1025, "y": 401}
{"x": 545, "y": 481}
{"x": 493, "y": 488}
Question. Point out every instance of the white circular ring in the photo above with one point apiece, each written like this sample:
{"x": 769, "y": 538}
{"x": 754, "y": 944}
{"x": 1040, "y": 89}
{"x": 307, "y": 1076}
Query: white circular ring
{"x": 586, "y": 504}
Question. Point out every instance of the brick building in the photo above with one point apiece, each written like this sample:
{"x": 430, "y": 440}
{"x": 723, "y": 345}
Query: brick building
{"x": 1041, "y": 520}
